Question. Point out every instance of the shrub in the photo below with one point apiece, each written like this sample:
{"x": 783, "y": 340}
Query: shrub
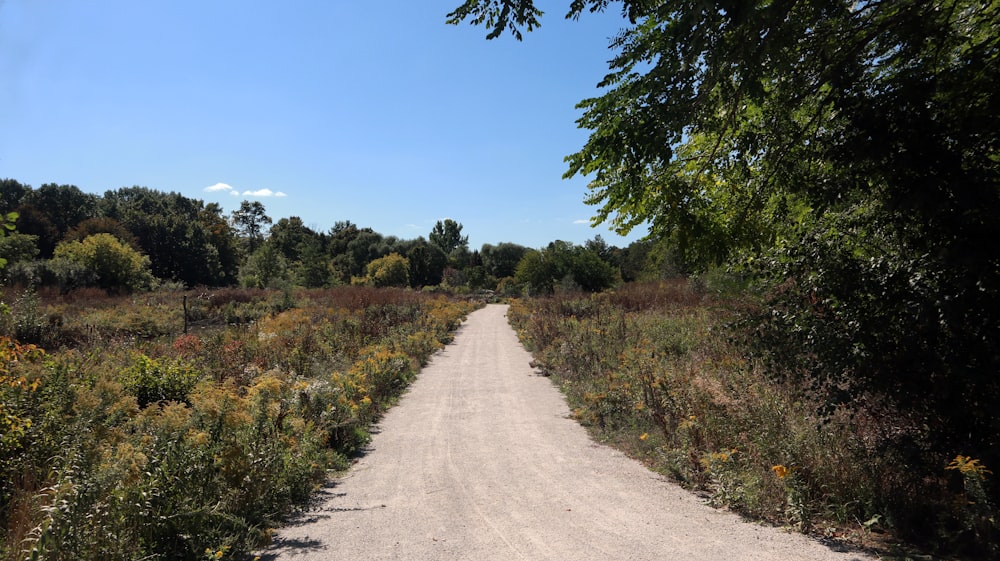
{"x": 152, "y": 381}
{"x": 391, "y": 270}
{"x": 114, "y": 264}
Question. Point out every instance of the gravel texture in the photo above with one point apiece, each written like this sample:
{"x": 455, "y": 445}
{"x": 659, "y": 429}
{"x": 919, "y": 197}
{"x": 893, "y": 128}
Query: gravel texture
{"x": 480, "y": 461}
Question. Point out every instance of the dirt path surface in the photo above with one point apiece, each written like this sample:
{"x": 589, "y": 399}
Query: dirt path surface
{"x": 479, "y": 461}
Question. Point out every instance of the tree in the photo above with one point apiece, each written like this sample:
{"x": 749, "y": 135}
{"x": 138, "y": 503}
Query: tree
{"x": 101, "y": 225}
{"x": 250, "y": 220}
{"x": 265, "y": 268}
{"x": 185, "y": 239}
{"x": 65, "y": 206}
{"x": 11, "y": 192}
{"x": 291, "y": 237}
{"x": 538, "y": 272}
{"x": 34, "y": 222}
{"x": 427, "y": 263}
{"x": 448, "y": 236}
{"x": 16, "y": 247}
{"x": 7, "y": 221}
{"x": 566, "y": 265}
{"x": 220, "y": 237}
{"x": 501, "y": 260}
{"x": 315, "y": 270}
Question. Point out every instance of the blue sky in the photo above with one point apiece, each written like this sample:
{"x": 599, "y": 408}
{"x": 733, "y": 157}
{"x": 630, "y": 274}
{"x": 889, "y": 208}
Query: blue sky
{"x": 373, "y": 112}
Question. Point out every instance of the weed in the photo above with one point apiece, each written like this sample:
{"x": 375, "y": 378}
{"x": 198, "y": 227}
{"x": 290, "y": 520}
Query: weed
{"x": 660, "y": 368}
{"x": 130, "y": 440}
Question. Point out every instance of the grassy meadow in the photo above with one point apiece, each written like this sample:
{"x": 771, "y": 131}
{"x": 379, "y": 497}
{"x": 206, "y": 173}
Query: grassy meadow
{"x": 126, "y": 438}
{"x": 657, "y": 370}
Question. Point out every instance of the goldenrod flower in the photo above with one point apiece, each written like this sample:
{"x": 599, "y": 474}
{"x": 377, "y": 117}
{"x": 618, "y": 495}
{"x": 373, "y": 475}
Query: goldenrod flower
{"x": 969, "y": 467}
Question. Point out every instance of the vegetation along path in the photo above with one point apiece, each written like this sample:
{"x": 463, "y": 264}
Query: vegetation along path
{"x": 480, "y": 460}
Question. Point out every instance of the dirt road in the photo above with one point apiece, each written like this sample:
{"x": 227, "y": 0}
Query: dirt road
{"x": 480, "y": 462}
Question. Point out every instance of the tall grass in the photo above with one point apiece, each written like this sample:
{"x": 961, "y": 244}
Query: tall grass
{"x": 653, "y": 368}
{"x": 129, "y": 439}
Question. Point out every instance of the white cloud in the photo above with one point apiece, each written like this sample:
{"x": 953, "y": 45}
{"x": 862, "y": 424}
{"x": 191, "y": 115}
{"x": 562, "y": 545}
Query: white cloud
{"x": 218, "y": 187}
{"x": 581, "y": 221}
{"x": 264, "y": 193}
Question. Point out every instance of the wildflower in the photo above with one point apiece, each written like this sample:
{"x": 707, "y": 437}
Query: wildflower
{"x": 644, "y": 436}
{"x": 781, "y": 471}
{"x": 969, "y": 467}
{"x": 197, "y": 437}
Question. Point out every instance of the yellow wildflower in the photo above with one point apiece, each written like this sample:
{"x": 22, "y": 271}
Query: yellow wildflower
{"x": 781, "y": 471}
{"x": 969, "y": 467}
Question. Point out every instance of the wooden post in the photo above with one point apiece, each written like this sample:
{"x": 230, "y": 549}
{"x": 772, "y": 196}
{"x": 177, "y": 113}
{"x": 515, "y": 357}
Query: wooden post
{"x": 185, "y": 314}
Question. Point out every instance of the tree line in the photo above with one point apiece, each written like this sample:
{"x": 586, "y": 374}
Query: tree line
{"x": 136, "y": 238}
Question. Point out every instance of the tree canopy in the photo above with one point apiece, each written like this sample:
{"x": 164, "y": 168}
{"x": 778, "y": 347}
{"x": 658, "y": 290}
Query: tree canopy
{"x": 447, "y": 235}
{"x": 848, "y": 151}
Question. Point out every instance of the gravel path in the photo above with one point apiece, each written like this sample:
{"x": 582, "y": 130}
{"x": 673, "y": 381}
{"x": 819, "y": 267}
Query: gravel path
{"x": 479, "y": 461}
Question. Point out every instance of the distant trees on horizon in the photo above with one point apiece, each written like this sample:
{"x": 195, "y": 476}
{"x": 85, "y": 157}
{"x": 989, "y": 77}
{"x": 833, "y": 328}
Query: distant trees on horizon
{"x": 167, "y": 238}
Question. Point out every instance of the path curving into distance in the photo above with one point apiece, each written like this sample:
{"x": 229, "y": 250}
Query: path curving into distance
{"x": 480, "y": 461}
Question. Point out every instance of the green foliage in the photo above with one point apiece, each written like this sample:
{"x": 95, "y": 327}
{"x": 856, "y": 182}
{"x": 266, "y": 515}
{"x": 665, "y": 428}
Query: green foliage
{"x": 845, "y": 154}
{"x": 119, "y": 447}
{"x": 427, "y": 263}
{"x": 498, "y": 15}
{"x": 352, "y": 248}
{"x": 654, "y": 368}
{"x": 16, "y": 247}
{"x": 250, "y": 220}
{"x": 567, "y": 266}
{"x": 50, "y": 211}
{"x": 501, "y": 260}
{"x": 185, "y": 239}
{"x": 113, "y": 264}
{"x": 22, "y": 320}
{"x": 291, "y": 237}
{"x": 11, "y": 193}
{"x": 315, "y": 270}
{"x": 101, "y": 225}
{"x": 391, "y": 270}
{"x": 448, "y": 236}
{"x": 152, "y": 381}
{"x": 7, "y": 251}
{"x": 265, "y": 268}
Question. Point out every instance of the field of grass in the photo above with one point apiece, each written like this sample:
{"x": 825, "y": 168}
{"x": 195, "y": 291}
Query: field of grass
{"x": 126, "y": 438}
{"x": 655, "y": 370}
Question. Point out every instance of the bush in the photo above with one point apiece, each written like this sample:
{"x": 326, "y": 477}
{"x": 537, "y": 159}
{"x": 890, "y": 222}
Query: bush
{"x": 113, "y": 264}
{"x": 391, "y": 270}
{"x": 152, "y": 381}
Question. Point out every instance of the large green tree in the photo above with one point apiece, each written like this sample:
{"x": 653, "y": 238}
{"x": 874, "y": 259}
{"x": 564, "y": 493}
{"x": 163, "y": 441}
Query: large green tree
{"x": 564, "y": 265}
{"x": 250, "y": 220}
{"x": 185, "y": 239}
{"x": 501, "y": 259}
{"x": 448, "y": 236}
{"x": 847, "y": 150}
